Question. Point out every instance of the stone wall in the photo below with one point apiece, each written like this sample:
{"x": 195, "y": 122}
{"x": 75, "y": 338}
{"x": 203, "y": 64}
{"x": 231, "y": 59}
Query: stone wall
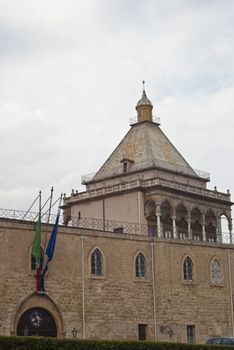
{"x": 111, "y": 306}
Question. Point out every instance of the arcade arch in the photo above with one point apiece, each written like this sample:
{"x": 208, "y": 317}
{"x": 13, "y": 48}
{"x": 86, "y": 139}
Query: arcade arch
{"x": 166, "y": 219}
{"x": 225, "y": 229}
{"x": 196, "y": 224}
{"x": 210, "y": 226}
{"x": 150, "y": 214}
{"x": 182, "y": 221}
{"x": 171, "y": 220}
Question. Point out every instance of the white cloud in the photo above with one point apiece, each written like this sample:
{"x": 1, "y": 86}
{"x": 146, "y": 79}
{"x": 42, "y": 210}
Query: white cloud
{"x": 71, "y": 76}
{"x": 202, "y": 128}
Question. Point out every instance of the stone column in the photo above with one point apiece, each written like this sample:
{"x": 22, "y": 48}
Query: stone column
{"x": 158, "y": 215}
{"x": 203, "y": 227}
{"x": 230, "y": 230}
{"x": 189, "y": 228}
{"x": 219, "y": 233}
{"x": 174, "y": 222}
{"x": 174, "y": 227}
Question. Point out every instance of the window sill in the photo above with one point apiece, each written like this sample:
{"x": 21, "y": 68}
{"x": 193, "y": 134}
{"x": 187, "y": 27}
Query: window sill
{"x": 189, "y": 283}
{"x": 141, "y": 279}
{"x": 95, "y": 277}
{"x": 219, "y": 285}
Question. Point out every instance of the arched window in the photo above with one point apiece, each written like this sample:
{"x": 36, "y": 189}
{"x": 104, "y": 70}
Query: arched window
{"x": 140, "y": 266}
{"x": 188, "y": 269}
{"x": 216, "y": 275}
{"x": 96, "y": 263}
{"x": 34, "y": 262}
{"x": 225, "y": 229}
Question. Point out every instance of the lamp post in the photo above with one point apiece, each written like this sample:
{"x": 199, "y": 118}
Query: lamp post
{"x": 74, "y": 332}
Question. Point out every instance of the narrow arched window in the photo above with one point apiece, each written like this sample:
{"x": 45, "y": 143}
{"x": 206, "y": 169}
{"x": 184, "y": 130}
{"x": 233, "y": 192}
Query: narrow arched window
{"x": 188, "y": 269}
{"x": 34, "y": 261}
{"x": 96, "y": 263}
{"x": 140, "y": 266}
{"x": 216, "y": 275}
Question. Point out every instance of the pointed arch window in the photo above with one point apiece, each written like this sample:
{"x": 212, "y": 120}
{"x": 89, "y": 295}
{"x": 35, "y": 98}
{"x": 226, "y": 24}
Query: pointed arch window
{"x": 188, "y": 269}
{"x": 140, "y": 266}
{"x": 96, "y": 263}
{"x": 216, "y": 274}
{"x": 34, "y": 262}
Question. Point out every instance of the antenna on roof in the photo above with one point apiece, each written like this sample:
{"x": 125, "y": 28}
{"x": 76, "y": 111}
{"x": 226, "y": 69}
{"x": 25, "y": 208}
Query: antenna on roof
{"x": 143, "y": 83}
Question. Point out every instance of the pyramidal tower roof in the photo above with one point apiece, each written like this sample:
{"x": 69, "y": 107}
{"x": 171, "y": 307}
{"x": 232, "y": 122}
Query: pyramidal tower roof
{"x": 144, "y": 146}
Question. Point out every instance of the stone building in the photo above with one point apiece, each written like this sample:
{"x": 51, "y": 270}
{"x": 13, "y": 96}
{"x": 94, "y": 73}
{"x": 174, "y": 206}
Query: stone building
{"x": 141, "y": 254}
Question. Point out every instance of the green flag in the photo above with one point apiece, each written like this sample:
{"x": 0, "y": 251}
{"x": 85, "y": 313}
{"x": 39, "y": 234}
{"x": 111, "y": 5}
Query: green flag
{"x": 36, "y": 248}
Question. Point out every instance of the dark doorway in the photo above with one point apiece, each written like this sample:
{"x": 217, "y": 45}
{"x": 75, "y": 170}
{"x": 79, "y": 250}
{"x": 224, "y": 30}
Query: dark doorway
{"x": 38, "y": 322}
{"x": 142, "y": 329}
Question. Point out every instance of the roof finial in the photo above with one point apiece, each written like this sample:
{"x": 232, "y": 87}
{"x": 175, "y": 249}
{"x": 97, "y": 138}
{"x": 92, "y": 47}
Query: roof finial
{"x": 144, "y": 107}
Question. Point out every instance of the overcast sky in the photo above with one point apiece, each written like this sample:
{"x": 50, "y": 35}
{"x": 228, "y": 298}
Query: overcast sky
{"x": 70, "y": 77}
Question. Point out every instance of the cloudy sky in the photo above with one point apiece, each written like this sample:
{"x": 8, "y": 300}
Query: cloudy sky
{"x": 70, "y": 77}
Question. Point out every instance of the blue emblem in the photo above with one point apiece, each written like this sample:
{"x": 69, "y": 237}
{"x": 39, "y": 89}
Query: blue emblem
{"x": 36, "y": 319}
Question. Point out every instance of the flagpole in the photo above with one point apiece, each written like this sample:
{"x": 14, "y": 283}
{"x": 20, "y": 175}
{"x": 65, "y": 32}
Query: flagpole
{"x": 46, "y": 202}
{"x": 39, "y": 201}
{"x": 31, "y": 206}
{"x": 39, "y": 258}
{"x": 43, "y": 207}
{"x": 50, "y": 249}
{"x": 60, "y": 200}
{"x": 48, "y": 220}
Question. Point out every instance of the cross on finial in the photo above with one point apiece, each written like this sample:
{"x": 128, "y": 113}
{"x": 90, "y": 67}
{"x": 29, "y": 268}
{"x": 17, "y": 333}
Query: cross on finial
{"x": 143, "y": 83}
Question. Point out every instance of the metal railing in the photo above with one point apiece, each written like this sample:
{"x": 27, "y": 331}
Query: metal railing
{"x": 110, "y": 225}
{"x": 120, "y": 227}
{"x": 134, "y": 120}
{"x": 19, "y": 215}
{"x": 187, "y": 170}
{"x": 145, "y": 230}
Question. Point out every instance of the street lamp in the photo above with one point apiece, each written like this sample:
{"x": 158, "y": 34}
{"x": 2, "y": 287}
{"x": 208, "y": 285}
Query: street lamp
{"x": 74, "y": 332}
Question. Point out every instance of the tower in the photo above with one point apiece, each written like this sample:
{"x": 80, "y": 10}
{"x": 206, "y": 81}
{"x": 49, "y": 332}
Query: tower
{"x": 146, "y": 186}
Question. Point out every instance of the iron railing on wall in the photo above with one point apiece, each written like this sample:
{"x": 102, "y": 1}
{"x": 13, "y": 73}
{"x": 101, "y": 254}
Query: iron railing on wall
{"x": 110, "y": 225}
{"x": 121, "y": 227}
{"x": 19, "y": 215}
